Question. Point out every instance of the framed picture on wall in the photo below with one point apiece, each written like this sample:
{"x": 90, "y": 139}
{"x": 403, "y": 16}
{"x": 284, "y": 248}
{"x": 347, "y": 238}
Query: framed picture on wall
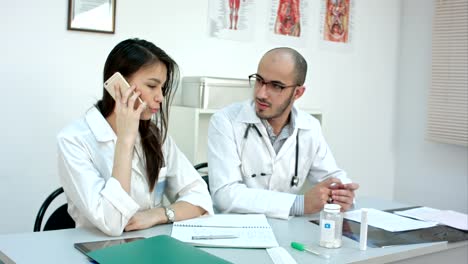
{"x": 92, "y": 15}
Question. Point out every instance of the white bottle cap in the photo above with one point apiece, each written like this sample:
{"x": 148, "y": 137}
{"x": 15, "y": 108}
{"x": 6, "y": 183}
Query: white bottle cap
{"x": 332, "y": 208}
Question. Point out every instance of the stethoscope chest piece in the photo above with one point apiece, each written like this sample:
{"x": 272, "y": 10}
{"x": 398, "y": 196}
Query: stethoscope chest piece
{"x": 294, "y": 181}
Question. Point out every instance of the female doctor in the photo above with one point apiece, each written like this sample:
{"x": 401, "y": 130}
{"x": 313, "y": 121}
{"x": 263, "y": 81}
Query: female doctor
{"x": 116, "y": 163}
{"x": 263, "y": 154}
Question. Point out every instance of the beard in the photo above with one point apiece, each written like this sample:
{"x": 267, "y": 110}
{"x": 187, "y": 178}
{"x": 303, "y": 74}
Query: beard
{"x": 276, "y": 111}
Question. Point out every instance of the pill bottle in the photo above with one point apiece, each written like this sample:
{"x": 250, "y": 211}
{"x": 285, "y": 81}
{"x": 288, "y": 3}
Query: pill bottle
{"x": 331, "y": 226}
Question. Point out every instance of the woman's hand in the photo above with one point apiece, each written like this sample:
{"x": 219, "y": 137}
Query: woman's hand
{"x": 156, "y": 216}
{"x": 127, "y": 119}
{"x": 127, "y": 116}
{"x": 146, "y": 219}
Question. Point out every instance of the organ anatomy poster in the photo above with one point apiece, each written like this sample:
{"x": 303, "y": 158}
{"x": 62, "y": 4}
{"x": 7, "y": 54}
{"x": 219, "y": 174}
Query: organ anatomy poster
{"x": 337, "y": 21}
{"x": 231, "y": 19}
{"x": 289, "y": 21}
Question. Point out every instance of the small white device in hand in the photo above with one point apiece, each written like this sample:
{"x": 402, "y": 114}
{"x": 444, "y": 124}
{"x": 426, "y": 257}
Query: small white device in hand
{"x": 363, "y": 234}
{"x": 117, "y": 80}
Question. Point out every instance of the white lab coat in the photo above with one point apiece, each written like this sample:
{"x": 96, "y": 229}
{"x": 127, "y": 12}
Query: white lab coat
{"x": 95, "y": 198}
{"x": 233, "y": 159}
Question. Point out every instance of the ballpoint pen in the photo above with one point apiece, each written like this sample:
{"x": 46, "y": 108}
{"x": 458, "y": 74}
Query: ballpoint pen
{"x": 214, "y": 237}
{"x": 302, "y": 247}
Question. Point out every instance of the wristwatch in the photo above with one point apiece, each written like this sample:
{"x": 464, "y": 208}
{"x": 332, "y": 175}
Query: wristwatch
{"x": 170, "y": 214}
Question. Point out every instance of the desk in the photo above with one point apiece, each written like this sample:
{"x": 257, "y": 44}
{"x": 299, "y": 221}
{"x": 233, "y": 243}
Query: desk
{"x": 57, "y": 246}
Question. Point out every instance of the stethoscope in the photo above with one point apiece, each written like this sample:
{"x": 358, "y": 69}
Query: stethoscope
{"x": 294, "y": 179}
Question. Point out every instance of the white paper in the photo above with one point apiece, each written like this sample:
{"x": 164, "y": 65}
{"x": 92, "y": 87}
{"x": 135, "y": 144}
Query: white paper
{"x": 251, "y": 230}
{"x": 279, "y": 255}
{"x": 388, "y": 221}
{"x": 445, "y": 217}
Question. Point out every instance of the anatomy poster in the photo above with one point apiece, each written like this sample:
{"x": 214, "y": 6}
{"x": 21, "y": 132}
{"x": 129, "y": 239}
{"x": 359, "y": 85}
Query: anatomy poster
{"x": 289, "y": 21}
{"x": 231, "y": 19}
{"x": 337, "y": 21}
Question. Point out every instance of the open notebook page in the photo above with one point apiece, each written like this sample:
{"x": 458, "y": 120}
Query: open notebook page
{"x": 248, "y": 230}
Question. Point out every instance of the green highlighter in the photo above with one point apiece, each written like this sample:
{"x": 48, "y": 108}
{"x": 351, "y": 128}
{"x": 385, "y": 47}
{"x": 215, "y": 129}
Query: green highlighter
{"x": 157, "y": 249}
{"x": 302, "y": 247}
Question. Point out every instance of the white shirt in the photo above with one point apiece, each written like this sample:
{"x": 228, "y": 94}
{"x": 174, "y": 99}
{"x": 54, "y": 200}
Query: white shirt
{"x": 95, "y": 198}
{"x": 248, "y": 176}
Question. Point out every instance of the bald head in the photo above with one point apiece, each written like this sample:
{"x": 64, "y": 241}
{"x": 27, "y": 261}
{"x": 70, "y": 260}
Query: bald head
{"x": 300, "y": 64}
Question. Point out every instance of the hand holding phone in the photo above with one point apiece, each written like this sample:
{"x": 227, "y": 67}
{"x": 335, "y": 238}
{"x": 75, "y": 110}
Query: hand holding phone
{"x": 117, "y": 80}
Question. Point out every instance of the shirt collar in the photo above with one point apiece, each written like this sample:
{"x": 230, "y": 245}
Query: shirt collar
{"x": 99, "y": 125}
{"x": 302, "y": 120}
{"x": 247, "y": 113}
{"x": 104, "y": 132}
{"x": 298, "y": 119}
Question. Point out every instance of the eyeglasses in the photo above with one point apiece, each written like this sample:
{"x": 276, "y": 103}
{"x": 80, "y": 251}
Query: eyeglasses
{"x": 273, "y": 87}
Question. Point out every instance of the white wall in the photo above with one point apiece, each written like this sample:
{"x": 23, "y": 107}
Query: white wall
{"x": 427, "y": 173}
{"x": 50, "y": 76}
{"x": 357, "y": 97}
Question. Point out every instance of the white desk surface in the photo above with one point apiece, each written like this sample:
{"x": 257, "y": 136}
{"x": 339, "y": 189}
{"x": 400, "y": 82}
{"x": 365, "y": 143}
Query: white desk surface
{"x": 57, "y": 246}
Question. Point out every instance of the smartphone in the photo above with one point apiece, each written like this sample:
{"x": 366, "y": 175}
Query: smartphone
{"x": 86, "y": 247}
{"x": 119, "y": 80}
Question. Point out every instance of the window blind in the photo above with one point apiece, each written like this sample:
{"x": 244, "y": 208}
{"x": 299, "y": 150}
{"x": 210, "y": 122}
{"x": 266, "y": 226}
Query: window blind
{"x": 448, "y": 97}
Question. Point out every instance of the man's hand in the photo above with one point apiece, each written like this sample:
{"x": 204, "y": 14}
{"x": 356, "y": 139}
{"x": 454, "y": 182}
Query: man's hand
{"x": 343, "y": 194}
{"x": 317, "y": 196}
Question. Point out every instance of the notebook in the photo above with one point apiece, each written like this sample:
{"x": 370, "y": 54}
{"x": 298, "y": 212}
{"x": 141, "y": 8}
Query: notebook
{"x": 157, "y": 249}
{"x": 239, "y": 230}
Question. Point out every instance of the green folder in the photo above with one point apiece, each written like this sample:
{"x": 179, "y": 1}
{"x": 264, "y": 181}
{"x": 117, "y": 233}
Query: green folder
{"x": 157, "y": 249}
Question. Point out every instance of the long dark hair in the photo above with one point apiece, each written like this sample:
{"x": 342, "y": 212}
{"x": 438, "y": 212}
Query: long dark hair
{"x": 127, "y": 58}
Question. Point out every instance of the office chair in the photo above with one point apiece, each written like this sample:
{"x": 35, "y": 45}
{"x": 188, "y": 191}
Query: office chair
{"x": 203, "y": 174}
{"x": 59, "y": 219}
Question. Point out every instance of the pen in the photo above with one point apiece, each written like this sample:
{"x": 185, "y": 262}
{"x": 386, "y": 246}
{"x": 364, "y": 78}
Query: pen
{"x": 302, "y": 247}
{"x": 214, "y": 237}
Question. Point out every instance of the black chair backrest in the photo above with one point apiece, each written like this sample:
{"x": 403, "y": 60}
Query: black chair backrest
{"x": 59, "y": 219}
{"x": 204, "y": 177}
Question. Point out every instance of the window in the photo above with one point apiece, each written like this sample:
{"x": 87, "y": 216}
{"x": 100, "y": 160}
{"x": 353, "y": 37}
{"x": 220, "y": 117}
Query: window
{"x": 448, "y": 99}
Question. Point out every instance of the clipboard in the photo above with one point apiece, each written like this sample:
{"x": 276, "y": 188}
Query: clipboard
{"x": 157, "y": 249}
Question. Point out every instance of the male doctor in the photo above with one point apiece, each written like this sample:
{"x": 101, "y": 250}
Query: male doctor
{"x": 262, "y": 152}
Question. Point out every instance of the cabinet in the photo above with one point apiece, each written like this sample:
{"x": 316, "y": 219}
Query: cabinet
{"x": 188, "y": 126}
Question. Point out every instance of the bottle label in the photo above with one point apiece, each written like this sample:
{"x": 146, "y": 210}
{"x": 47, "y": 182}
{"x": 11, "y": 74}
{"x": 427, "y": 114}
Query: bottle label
{"x": 327, "y": 233}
